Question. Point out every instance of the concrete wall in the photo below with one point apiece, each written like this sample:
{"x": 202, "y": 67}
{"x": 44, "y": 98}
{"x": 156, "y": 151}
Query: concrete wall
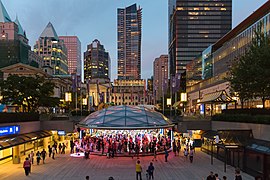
{"x": 194, "y": 125}
{"x": 67, "y": 126}
{"x": 260, "y": 131}
{"x": 25, "y": 127}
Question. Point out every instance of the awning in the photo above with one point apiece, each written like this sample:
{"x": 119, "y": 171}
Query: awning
{"x": 209, "y": 134}
{"x": 217, "y": 97}
{"x": 14, "y": 140}
{"x": 176, "y": 104}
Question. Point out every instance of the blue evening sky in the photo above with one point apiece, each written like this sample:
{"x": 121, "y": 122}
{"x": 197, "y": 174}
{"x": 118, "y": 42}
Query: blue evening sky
{"x": 96, "y": 19}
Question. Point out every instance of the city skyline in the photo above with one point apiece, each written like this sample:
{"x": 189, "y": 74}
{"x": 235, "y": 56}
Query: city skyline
{"x": 86, "y": 28}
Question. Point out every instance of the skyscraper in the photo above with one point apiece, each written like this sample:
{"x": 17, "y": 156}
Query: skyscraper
{"x": 129, "y": 25}
{"x": 52, "y": 50}
{"x": 193, "y": 26}
{"x": 96, "y": 61}
{"x": 160, "y": 76}
{"x": 73, "y": 46}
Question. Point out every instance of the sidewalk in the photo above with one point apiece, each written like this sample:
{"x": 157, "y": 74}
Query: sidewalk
{"x": 121, "y": 168}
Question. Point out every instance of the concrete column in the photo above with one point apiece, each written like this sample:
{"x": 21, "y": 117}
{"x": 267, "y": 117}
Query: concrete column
{"x": 62, "y": 138}
{"x": 16, "y": 155}
{"x": 46, "y": 142}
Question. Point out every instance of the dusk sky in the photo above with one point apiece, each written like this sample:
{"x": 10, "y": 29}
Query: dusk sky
{"x": 97, "y": 19}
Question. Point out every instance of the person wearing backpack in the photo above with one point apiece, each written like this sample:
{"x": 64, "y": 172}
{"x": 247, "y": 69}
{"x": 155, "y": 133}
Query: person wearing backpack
{"x": 38, "y": 157}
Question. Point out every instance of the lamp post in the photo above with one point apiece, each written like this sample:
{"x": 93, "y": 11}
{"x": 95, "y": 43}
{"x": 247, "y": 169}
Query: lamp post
{"x": 183, "y": 99}
{"x": 68, "y": 99}
{"x": 169, "y": 103}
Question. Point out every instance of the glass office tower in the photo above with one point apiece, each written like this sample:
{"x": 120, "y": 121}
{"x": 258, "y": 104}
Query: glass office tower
{"x": 129, "y": 25}
{"x": 193, "y": 26}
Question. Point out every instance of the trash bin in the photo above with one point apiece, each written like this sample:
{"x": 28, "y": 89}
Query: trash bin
{"x": 16, "y": 160}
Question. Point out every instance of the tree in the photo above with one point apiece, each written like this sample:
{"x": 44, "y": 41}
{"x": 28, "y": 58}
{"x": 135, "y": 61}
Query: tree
{"x": 28, "y": 92}
{"x": 249, "y": 74}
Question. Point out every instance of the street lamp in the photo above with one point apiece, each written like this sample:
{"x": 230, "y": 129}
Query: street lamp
{"x": 183, "y": 99}
{"x": 169, "y": 103}
{"x": 68, "y": 99}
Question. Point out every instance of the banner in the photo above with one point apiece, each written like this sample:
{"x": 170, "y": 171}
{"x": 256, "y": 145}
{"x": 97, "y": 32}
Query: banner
{"x": 74, "y": 82}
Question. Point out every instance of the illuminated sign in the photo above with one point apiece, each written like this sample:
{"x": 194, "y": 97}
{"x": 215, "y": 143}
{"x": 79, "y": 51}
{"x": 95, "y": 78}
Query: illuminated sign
{"x": 61, "y": 132}
{"x": 8, "y": 130}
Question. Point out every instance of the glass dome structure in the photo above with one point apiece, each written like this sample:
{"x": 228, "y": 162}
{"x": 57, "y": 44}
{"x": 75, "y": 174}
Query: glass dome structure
{"x": 126, "y": 118}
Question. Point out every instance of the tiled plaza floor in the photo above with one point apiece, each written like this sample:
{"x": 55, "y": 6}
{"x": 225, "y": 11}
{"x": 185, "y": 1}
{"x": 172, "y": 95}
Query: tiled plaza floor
{"x": 65, "y": 167}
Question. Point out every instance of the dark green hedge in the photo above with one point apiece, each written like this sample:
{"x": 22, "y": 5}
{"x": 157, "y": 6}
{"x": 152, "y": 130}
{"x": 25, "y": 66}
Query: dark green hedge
{"x": 258, "y": 119}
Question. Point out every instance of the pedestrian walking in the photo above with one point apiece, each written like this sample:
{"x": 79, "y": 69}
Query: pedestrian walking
{"x": 178, "y": 147}
{"x": 43, "y": 155}
{"x": 38, "y": 157}
{"x": 185, "y": 153}
{"x": 60, "y": 148}
{"x": 216, "y": 176}
{"x": 63, "y": 148}
{"x": 155, "y": 155}
{"x": 151, "y": 169}
{"x": 27, "y": 166}
{"x": 166, "y": 155}
{"x": 224, "y": 178}
{"x": 174, "y": 147}
{"x": 32, "y": 157}
{"x": 138, "y": 170}
{"x": 237, "y": 174}
{"x": 50, "y": 150}
{"x": 211, "y": 176}
{"x": 191, "y": 155}
{"x": 53, "y": 152}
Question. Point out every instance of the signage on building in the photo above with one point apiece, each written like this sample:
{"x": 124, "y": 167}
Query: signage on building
{"x": 9, "y": 130}
{"x": 61, "y": 132}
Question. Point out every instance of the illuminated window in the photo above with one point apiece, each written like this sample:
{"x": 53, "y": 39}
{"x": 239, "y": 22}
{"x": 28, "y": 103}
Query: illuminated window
{"x": 180, "y": 9}
{"x": 223, "y": 9}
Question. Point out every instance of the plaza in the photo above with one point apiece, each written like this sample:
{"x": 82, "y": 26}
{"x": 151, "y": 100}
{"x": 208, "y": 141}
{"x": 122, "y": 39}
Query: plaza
{"x": 121, "y": 168}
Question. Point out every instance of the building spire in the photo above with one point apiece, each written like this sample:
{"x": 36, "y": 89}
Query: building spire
{"x": 20, "y": 29}
{"x": 49, "y": 32}
{"x": 4, "y": 17}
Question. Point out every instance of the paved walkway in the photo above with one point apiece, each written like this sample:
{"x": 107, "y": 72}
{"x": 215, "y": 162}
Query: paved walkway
{"x": 121, "y": 168}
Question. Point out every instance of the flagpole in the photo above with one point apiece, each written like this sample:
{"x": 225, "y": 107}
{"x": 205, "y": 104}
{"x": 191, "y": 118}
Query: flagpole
{"x": 163, "y": 104}
{"x": 163, "y": 97}
{"x": 175, "y": 100}
{"x": 171, "y": 87}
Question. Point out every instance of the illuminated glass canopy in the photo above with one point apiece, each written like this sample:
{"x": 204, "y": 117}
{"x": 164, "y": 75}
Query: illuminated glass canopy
{"x": 126, "y": 117}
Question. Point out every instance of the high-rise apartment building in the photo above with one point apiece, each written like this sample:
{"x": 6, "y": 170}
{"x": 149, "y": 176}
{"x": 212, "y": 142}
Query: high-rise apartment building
{"x": 96, "y": 61}
{"x": 73, "y": 46}
{"x": 129, "y": 25}
{"x": 160, "y": 76}
{"x": 193, "y": 26}
{"x": 52, "y": 50}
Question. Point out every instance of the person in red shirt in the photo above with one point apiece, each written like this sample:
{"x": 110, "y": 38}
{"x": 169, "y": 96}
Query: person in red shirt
{"x": 27, "y": 166}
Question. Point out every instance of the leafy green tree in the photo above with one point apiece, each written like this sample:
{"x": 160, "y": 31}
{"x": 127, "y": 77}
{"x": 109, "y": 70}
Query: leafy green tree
{"x": 28, "y": 92}
{"x": 249, "y": 75}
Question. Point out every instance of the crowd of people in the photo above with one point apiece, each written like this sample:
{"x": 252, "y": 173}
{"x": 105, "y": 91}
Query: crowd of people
{"x": 111, "y": 145}
{"x": 41, "y": 155}
{"x": 214, "y": 176}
